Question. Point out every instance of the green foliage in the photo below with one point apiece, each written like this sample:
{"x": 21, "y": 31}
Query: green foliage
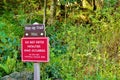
{"x": 84, "y": 47}
{"x": 9, "y": 46}
{"x": 110, "y": 3}
{"x": 91, "y": 49}
{"x": 9, "y": 65}
{"x": 8, "y": 41}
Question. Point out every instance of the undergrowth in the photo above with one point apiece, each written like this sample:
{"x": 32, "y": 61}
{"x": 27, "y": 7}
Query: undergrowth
{"x": 85, "y": 50}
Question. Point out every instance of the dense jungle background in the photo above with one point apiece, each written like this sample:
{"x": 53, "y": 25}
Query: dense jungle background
{"x": 84, "y": 37}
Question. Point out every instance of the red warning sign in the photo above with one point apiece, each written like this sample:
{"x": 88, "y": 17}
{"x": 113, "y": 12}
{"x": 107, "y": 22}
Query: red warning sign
{"x": 35, "y": 49}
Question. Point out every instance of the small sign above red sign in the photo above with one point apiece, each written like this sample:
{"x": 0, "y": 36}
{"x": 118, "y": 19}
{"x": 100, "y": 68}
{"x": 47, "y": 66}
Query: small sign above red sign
{"x": 35, "y": 49}
{"x": 35, "y": 30}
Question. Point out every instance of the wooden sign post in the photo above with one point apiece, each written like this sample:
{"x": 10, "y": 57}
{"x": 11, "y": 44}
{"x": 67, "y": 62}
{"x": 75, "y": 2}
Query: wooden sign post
{"x": 35, "y": 47}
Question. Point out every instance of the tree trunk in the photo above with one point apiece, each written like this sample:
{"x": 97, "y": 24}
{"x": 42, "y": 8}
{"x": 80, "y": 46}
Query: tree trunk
{"x": 44, "y": 17}
{"x": 94, "y": 5}
{"x": 53, "y": 10}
